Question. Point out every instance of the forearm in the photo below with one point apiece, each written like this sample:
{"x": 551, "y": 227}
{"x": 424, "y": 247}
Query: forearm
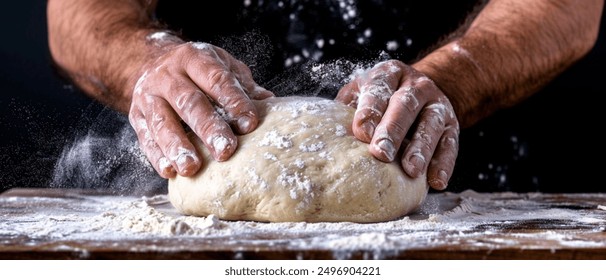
{"x": 101, "y": 45}
{"x": 510, "y": 50}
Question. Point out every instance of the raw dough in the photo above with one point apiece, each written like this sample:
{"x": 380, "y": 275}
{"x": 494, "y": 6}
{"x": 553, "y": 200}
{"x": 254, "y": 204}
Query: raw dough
{"x": 301, "y": 164}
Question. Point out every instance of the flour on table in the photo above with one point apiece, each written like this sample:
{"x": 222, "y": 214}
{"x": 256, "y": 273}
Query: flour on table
{"x": 467, "y": 221}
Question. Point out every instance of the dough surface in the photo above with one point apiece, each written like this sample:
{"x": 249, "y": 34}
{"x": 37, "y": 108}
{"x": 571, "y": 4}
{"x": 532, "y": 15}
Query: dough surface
{"x": 302, "y": 163}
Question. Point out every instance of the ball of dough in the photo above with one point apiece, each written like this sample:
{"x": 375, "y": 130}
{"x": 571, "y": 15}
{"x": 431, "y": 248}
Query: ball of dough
{"x": 302, "y": 163}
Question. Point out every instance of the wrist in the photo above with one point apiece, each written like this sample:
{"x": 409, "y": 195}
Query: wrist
{"x": 454, "y": 71}
{"x": 149, "y": 45}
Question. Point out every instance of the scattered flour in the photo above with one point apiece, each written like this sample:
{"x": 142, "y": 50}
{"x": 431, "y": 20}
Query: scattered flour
{"x": 273, "y": 138}
{"x": 468, "y": 219}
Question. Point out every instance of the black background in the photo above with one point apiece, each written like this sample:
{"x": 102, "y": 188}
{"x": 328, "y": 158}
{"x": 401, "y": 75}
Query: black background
{"x": 550, "y": 143}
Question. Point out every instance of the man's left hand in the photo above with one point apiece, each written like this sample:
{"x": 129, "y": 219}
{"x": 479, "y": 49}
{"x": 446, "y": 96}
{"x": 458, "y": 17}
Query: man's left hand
{"x": 393, "y": 100}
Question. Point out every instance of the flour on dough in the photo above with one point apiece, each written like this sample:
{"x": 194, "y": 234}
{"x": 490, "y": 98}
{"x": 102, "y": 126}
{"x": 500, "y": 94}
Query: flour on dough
{"x": 302, "y": 163}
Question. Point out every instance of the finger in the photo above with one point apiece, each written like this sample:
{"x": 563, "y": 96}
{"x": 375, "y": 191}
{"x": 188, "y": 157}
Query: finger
{"x": 167, "y": 131}
{"x": 198, "y": 113}
{"x": 375, "y": 91}
{"x": 348, "y": 94}
{"x": 155, "y": 156}
{"x": 428, "y": 132}
{"x": 218, "y": 82}
{"x": 401, "y": 113}
{"x": 442, "y": 165}
{"x": 244, "y": 75}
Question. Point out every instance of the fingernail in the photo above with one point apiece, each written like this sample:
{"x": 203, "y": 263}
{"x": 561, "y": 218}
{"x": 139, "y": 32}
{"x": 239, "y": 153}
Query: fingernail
{"x": 369, "y": 129}
{"x": 165, "y": 166}
{"x": 244, "y": 124}
{"x": 441, "y": 182}
{"x": 388, "y": 148}
{"x": 221, "y": 144}
{"x": 185, "y": 162}
{"x": 416, "y": 162}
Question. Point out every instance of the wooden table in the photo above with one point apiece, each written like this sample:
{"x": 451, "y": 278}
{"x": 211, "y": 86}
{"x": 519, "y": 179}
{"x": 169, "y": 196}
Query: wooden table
{"x": 85, "y": 224}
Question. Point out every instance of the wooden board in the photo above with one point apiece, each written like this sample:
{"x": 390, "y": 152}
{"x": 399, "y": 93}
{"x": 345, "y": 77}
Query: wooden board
{"x": 88, "y": 224}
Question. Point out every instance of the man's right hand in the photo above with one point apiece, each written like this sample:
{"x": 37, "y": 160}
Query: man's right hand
{"x": 206, "y": 88}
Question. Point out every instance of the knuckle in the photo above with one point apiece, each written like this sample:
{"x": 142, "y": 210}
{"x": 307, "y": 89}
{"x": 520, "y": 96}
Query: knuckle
{"x": 172, "y": 146}
{"x": 450, "y": 142}
{"x": 379, "y": 73}
{"x": 396, "y": 129}
{"x": 448, "y": 150}
{"x": 366, "y": 100}
{"x": 194, "y": 52}
{"x": 452, "y": 131}
{"x": 187, "y": 99}
{"x": 377, "y": 89}
{"x": 422, "y": 136}
{"x": 140, "y": 127}
{"x": 436, "y": 114}
{"x": 424, "y": 82}
{"x": 158, "y": 122}
{"x": 422, "y": 144}
{"x": 148, "y": 144}
{"x": 139, "y": 124}
{"x": 436, "y": 118}
{"x": 407, "y": 98}
{"x": 368, "y": 113}
{"x": 210, "y": 125}
{"x": 390, "y": 65}
{"x": 220, "y": 77}
{"x": 193, "y": 49}
{"x": 148, "y": 102}
{"x": 235, "y": 102}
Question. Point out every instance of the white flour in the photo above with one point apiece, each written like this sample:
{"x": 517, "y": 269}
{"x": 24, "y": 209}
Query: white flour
{"x": 468, "y": 220}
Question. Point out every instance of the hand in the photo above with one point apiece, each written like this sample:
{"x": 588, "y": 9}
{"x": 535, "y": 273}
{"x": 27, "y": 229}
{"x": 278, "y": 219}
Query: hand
{"x": 393, "y": 100}
{"x": 192, "y": 82}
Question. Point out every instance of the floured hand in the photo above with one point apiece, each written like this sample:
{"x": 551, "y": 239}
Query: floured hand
{"x": 393, "y": 100}
{"x": 206, "y": 88}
